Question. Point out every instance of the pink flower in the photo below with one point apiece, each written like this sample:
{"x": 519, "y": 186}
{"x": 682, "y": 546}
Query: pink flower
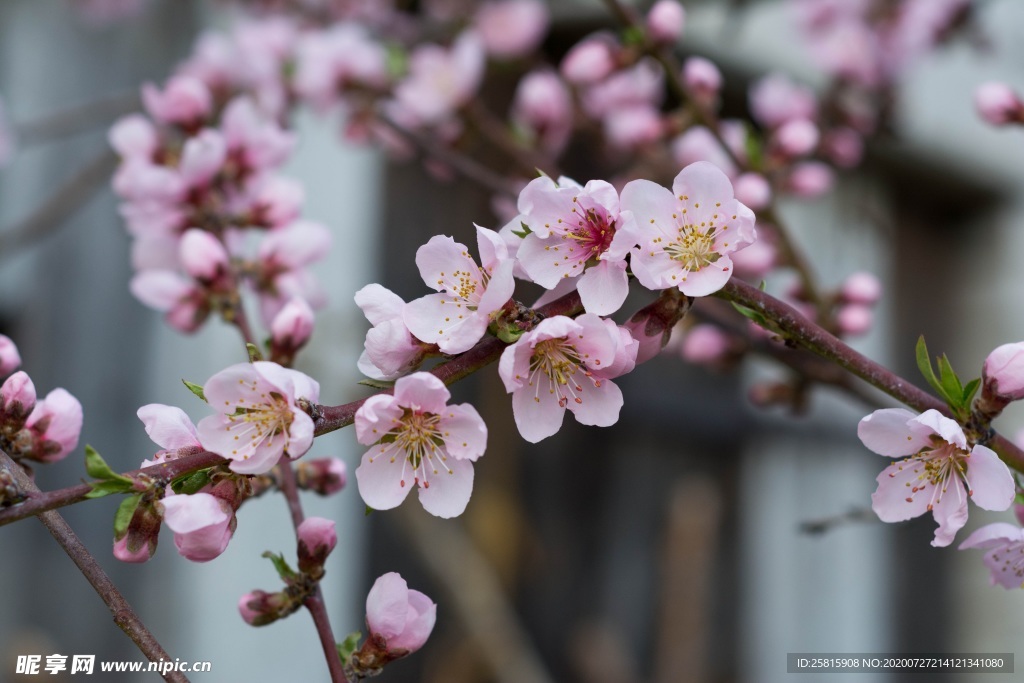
{"x": 260, "y": 417}
{"x": 184, "y": 101}
{"x": 402, "y": 618}
{"x": 796, "y": 138}
{"x": 589, "y": 60}
{"x": 203, "y": 256}
{"x": 938, "y": 471}
{"x": 699, "y": 144}
{"x": 55, "y": 425}
{"x": 1003, "y": 373}
{"x": 170, "y": 428}
{"x": 543, "y": 106}
{"x": 184, "y": 303}
{"x": 1004, "y": 558}
{"x": 686, "y": 235}
{"x": 330, "y": 61}
{"x": 573, "y": 226}
{"x": 255, "y": 141}
{"x": 418, "y": 439}
{"x": 10, "y": 359}
{"x": 565, "y": 363}
{"x": 641, "y": 85}
{"x": 317, "y": 539}
{"x": 998, "y": 104}
{"x": 274, "y": 201}
{"x": 665, "y": 21}
{"x": 775, "y": 99}
{"x": 756, "y": 260}
{"x": 441, "y": 80}
{"x": 511, "y": 28}
{"x": 282, "y": 257}
{"x": 142, "y": 552}
{"x": 202, "y": 524}
{"x": 134, "y": 137}
{"x": 457, "y": 317}
{"x": 633, "y": 126}
{"x": 390, "y": 349}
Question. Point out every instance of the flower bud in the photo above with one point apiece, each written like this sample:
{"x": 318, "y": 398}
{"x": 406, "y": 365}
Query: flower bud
{"x": 54, "y": 427}
{"x": 753, "y": 190}
{"x": 796, "y": 138}
{"x": 134, "y": 137}
{"x": 861, "y": 288}
{"x": 998, "y": 104}
{"x": 665, "y": 21}
{"x": 203, "y": 256}
{"x": 703, "y": 79}
{"x": 589, "y": 61}
{"x": 137, "y": 543}
{"x": 17, "y": 400}
{"x": 400, "y": 621}
{"x": 290, "y": 330}
{"x": 260, "y": 608}
{"x": 652, "y": 325}
{"x": 706, "y": 345}
{"x": 511, "y": 28}
{"x": 844, "y": 146}
{"x": 184, "y": 100}
{"x": 854, "y": 319}
{"x": 9, "y": 357}
{"x": 1003, "y": 373}
{"x": 323, "y": 476}
{"x": 317, "y": 539}
{"x": 202, "y": 524}
{"x": 810, "y": 179}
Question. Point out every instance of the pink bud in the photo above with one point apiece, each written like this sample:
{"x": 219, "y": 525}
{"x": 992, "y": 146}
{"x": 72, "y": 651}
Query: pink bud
{"x": 705, "y": 344}
{"x": 17, "y": 400}
{"x": 511, "y": 28}
{"x": 249, "y": 614}
{"x": 776, "y": 99}
{"x": 401, "y": 617}
{"x": 854, "y": 319}
{"x": 703, "y": 78}
{"x": 323, "y": 476}
{"x": 123, "y": 553}
{"x": 810, "y": 179}
{"x": 9, "y": 357}
{"x": 202, "y": 158}
{"x": 55, "y": 424}
{"x": 1003, "y": 373}
{"x": 589, "y": 61}
{"x": 543, "y": 104}
{"x": 317, "y": 538}
{"x": 260, "y": 608}
{"x": 665, "y": 21}
{"x": 753, "y": 190}
{"x": 861, "y": 288}
{"x": 203, "y": 256}
{"x": 633, "y": 126}
{"x": 202, "y": 524}
{"x": 796, "y": 138}
{"x": 134, "y": 137}
{"x": 277, "y": 201}
{"x": 293, "y": 326}
{"x": 756, "y": 260}
{"x": 998, "y": 104}
{"x": 184, "y": 100}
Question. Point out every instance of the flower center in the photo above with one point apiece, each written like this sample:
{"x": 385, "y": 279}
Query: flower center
{"x": 419, "y": 438}
{"x": 935, "y": 467}
{"x": 261, "y": 422}
{"x": 594, "y": 232}
{"x": 693, "y": 247}
{"x": 1011, "y": 556}
{"x": 557, "y": 363}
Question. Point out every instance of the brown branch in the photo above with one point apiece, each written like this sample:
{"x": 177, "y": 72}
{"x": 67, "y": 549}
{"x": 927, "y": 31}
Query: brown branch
{"x": 124, "y": 616}
{"x": 65, "y": 201}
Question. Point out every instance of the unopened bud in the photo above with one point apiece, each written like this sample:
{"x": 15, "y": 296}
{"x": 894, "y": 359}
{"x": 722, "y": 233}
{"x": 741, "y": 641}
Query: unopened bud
{"x": 17, "y": 400}
{"x": 260, "y": 608}
{"x": 703, "y": 79}
{"x": 665, "y": 21}
{"x": 998, "y": 104}
{"x": 323, "y": 476}
{"x": 202, "y": 255}
{"x": 290, "y": 330}
{"x": 652, "y": 325}
{"x": 9, "y": 357}
{"x": 317, "y": 538}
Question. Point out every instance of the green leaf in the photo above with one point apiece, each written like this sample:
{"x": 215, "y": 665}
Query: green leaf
{"x": 196, "y": 389}
{"x": 368, "y": 511}
{"x": 950, "y": 382}
{"x": 347, "y": 647}
{"x": 107, "y": 487}
{"x": 924, "y": 364}
{"x": 281, "y": 565}
{"x": 633, "y": 35}
{"x": 756, "y": 316}
{"x": 98, "y": 468}
{"x": 970, "y": 390}
{"x": 191, "y": 483}
{"x": 524, "y": 232}
{"x": 124, "y": 514}
{"x": 254, "y": 352}
{"x": 377, "y": 383}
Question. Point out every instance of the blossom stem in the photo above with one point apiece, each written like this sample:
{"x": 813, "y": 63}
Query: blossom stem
{"x": 314, "y": 603}
{"x": 124, "y": 616}
{"x": 802, "y": 331}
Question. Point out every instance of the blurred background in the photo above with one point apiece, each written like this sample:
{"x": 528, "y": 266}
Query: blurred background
{"x": 671, "y": 547}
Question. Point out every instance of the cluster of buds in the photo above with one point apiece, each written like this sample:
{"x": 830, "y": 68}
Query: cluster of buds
{"x": 316, "y": 539}
{"x": 44, "y": 430}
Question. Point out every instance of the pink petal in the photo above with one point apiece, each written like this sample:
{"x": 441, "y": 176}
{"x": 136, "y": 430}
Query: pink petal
{"x": 991, "y": 482}
{"x": 536, "y": 412}
{"x": 894, "y": 500}
{"x": 375, "y": 418}
{"x": 950, "y": 512}
{"x": 890, "y": 432}
{"x": 419, "y": 622}
{"x": 440, "y": 258}
{"x": 446, "y": 321}
{"x": 296, "y": 245}
{"x": 379, "y": 477}
{"x": 707, "y": 280}
{"x": 599, "y": 405}
{"x": 514, "y": 365}
{"x": 387, "y": 605}
{"x": 379, "y": 303}
{"x": 422, "y": 391}
{"x": 652, "y": 206}
{"x": 168, "y": 426}
{"x": 993, "y": 535}
{"x": 160, "y": 289}
{"x": 465, "y": 433}
{"x": 550, "y": 260}
{"x": 596, "y": 341}
{"x": 491, "y": 246}
{"x": 500, "y": 288}
{"x": 185, "y": 514}
{"x": 655, "y": 269}
{"x": 449, "y": 491}
{"x": 603, "y": 288}
{"x": 939, "y": 424}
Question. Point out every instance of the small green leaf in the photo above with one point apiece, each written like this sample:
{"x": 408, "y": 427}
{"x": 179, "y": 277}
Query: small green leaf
{"x": 377, "y": 383}
{"x": 124, "y": 514}
{"x": 98, "y": 468}
{"x": 281, "y": 565}
{"x": 196, "y": 389}
{"x": 924, "y": 364}
{"x": 192, "y": 483}
{"x": 347, "y": 647}
{"x": 254, "y": 352}
{"x": 524, "y": 232}
{"x": 107, "y": 487}
{"x": 970, "y": 390}
{"x": 633, "y": 35}
{"x": 368, "y": 511}
{"x": 954, "y": 390}
{"x": 756, "y": 316}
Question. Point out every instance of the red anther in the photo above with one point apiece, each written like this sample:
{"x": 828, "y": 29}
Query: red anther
{"x": 911, "y": 500}
{"x": 402, "y": 483}
{"x": 579, "y": 400}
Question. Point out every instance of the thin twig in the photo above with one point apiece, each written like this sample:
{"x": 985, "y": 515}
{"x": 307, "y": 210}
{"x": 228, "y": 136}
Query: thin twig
{"x": 315, "y": 602}
{"x": 65, "y": 201}
{"x": 78, "y": 118}
{"x": 124, "y": 616}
